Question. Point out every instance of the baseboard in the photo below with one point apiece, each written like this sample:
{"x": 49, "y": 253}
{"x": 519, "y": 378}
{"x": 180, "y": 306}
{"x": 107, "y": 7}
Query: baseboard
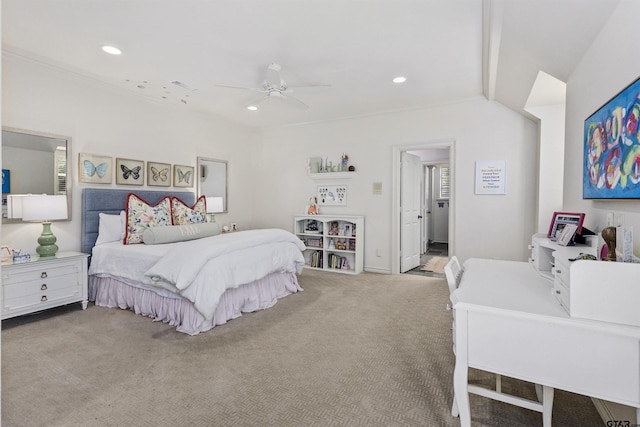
{"x": 610, "y": 411}
{"x": 377, "y": 270}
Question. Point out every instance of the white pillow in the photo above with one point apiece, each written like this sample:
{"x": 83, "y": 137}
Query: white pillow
{"x": 179, "y": 233}
{"x": 111, "y": 227}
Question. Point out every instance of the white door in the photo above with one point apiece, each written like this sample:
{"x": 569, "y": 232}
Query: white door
{"x": 410, "y": 178}
{"x": 425, "y": 192}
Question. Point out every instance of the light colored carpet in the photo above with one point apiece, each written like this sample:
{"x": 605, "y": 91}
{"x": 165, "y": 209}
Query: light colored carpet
{"x": 365, "y": 350}
{"x": 436, "y": 264}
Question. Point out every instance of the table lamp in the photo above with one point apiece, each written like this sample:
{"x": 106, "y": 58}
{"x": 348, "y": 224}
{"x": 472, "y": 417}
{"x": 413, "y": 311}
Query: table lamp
{"x": 45, "y": 208}
{"x": 214, "y": 205}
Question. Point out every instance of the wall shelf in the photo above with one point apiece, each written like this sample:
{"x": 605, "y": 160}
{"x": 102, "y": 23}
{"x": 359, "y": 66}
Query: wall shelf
{"x": 331, "y": 175}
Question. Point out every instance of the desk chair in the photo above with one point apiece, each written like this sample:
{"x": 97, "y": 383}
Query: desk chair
{"x": 453, "y": 272}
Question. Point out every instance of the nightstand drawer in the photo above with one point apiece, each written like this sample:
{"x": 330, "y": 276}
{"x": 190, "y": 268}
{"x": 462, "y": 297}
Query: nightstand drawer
{"x": 39, "y": 286}
{"x": 41, "y": 300}
{"x": 39, "y": 272}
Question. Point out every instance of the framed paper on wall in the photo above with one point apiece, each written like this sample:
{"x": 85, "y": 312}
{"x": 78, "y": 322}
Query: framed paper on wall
{"x": 158, "y": 174}
{"x": 183, "y": 176}
{"x": 561, "y": 219}
{"x": 129, "y": 172}
{"x": 491, "y": 177}
{"x": 611, "y": 161}
{"x": 94, "y": 168}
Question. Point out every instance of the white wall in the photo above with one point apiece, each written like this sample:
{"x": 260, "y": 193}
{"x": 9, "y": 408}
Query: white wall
{"x": 108, "y": 121}
{"x": 485, "y": 226}
{"x": 593, "y": 83}
{"x": 550, "y": 162}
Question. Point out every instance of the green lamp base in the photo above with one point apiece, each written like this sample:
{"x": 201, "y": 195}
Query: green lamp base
{"x": 47, "y": 241}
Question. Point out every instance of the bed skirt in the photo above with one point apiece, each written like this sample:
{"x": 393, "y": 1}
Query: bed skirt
{"x": 179, "y": 312}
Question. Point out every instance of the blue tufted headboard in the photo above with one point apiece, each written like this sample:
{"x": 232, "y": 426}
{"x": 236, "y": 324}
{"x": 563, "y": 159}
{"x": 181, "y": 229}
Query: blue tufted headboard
{"x": 96, "y": 200}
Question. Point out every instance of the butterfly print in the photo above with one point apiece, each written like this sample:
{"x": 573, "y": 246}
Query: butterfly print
{"x": 183, "y": 176}
{"x": 91, "y": 169}
{"x": 126, "y": 172}
{"x": 161, "y": 174}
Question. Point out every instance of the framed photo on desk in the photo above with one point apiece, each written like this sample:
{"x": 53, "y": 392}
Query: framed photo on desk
{"x": 560, "y": 219}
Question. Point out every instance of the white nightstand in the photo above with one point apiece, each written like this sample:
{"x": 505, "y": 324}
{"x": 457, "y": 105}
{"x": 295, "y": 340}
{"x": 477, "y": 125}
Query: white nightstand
{"x": 44, "y": 283}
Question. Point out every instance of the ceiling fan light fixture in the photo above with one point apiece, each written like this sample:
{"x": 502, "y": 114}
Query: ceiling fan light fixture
{"x": 112, "y": 50}
{"x": 400, "y": 79}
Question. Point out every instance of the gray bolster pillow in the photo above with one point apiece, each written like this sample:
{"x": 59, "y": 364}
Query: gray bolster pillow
{"x": 179, "y": 233}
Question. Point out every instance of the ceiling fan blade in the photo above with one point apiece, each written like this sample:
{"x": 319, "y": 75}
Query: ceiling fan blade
{"x": 309, "y": 86}
{"x": 294, "y": 101}
{"x": 256, "y": 101}
{"x": 241, "y": 87}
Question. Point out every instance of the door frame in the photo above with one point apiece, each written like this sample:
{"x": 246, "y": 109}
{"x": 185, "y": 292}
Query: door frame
{"x": 395, "y": 194}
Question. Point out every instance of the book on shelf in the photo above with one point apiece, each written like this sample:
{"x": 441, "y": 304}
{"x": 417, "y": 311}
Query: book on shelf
{"x": 337, "y": 262}
{"x": 316, "y": 259}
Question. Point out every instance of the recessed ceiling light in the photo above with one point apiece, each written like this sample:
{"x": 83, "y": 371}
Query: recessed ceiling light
{"x": 111, "y": 50}
{"x": 400, "y": 79}
{"x": 252, "y": 108}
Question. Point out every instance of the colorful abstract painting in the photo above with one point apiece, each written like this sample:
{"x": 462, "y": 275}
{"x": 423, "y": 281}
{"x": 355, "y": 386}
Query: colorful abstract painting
{"x": 612, "y": 148}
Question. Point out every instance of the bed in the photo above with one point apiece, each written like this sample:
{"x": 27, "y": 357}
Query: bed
{"x": 193, "y": 284}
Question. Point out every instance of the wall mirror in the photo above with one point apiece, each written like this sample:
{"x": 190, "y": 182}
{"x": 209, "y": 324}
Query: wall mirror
{"x": 34, "y": 163}
{"x": 212, "y": 182}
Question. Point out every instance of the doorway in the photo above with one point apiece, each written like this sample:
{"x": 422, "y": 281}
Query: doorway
{"x": 435, "y": 208}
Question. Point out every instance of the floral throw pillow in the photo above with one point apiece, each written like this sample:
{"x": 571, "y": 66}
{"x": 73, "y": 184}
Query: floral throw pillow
{"x": 141, "y": 215}
{"x": 183, "y": 214}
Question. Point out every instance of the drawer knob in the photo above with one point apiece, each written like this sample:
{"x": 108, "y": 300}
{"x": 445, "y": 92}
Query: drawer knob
{"x": 558, "y": 292}
{"x": 44, "y": 298}
{"x": 43, "y": 275}
{"x": 43, "y": 287}
{"x": 558, "y": 271}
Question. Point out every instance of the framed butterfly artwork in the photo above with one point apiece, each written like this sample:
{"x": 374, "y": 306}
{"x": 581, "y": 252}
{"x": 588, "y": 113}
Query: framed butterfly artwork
{"x": 183, "y": 176}
{"x": 95, "y": 169}
{"x": 129, "y": 172}
{"x": 159, "y": 174}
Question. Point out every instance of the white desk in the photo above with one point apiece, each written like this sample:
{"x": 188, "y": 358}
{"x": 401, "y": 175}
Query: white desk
{"x": 508, "y": 322}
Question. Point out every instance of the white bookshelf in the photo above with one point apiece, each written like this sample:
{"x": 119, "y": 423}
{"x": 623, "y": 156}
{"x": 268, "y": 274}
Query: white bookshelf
{"x": 342, "y": 252}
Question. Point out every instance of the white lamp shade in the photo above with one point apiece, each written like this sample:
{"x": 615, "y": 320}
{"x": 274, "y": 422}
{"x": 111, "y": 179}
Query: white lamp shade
{"x": 14, "y": 205}
{"x": 215, "y": 204}
{"x": 44, "y": 207}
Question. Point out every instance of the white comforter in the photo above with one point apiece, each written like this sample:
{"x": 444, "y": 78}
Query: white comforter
{"x": 201, "y": 270}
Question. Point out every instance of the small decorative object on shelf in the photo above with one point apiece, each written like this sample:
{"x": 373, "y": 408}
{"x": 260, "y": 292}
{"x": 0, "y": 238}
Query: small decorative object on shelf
{"x": 313, "y": 206}
{"x": 312, "y": 227}
{"x": 7, "y": 253}
{"x": 19, "y": 256}
{"x": 334, "y": 229}
{"x": 609, "y": 237}
{"x": 345, "y": 162}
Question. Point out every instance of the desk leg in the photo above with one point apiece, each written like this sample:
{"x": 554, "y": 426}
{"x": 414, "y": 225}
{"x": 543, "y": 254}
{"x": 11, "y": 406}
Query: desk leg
{"x": 547, "y": 405}
{"x": 461, "y": 370}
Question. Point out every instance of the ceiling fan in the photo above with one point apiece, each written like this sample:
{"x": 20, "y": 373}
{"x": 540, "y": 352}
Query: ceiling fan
{"x": 274, "y": 87}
